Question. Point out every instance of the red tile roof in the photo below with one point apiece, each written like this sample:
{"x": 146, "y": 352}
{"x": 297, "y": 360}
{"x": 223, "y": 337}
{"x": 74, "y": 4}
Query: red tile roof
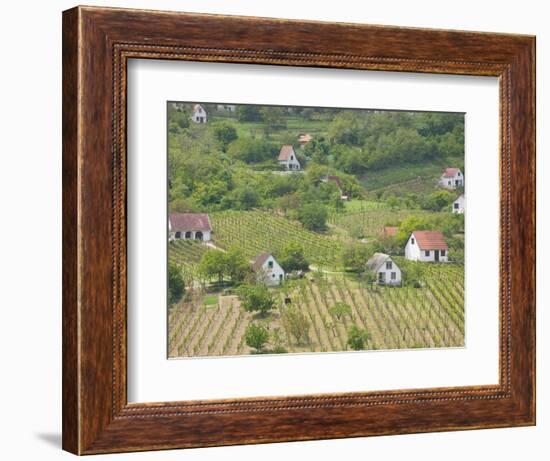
{"x": 304, "y": 138}
{"x": 430, "y": 240}
{"x": 189, "y": 222}
{"x": 390, "y": 230}
{"x": 286, "y": 150}
{"x": 450, "y": 172}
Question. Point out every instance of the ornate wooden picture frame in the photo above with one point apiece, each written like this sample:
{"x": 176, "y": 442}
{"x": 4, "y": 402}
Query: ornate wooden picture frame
{"x": 97, "y": 44}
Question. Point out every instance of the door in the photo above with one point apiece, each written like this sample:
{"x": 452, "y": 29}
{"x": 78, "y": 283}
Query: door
{"x": 436, "y": 255}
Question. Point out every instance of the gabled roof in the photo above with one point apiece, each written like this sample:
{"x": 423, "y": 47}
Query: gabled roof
{"x": 376, "y": 260}
{"x": 190, "y": 222}
{"x": 259, "y": 261}
{"x": 459, "y": 197}
{"x": 390, "y": 230}
{"x": 286, "y": 150}
{"x": 196, "y": 107}
{"x": 430, "y": 240}
{"x": 450, "y": 172}
{"x": 305, "y": 138}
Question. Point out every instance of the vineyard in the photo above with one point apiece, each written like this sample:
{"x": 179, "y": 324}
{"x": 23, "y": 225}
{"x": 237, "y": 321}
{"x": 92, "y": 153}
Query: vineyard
{"x": 187, "y": 254}
{"x": 371, "y": 222}
{"x": 395, "y": 318}
{"x": 259, "y": 231}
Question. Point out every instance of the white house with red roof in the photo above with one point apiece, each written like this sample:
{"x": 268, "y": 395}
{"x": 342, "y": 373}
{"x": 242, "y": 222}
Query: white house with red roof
{"x": 189, "y": 226}
{"x": 427, "y": 246}
{"x": 268, "y": 270}
{"x": 199, "y": 114}
{"x": 451, "y": 178}
{"x": 287, "y": 157}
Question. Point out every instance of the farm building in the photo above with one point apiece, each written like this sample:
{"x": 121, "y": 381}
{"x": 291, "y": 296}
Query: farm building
{"x": 336, "y": 180}
{"x": 287, "y": 157}
{"x": 189, "y": 226}
{"x": 390, "y": 231}
{"x": 451, "y": 178}
{"x": 303, "y": 139}
{"x": 268, "y": 270}
{"x": 231, "y": 108}
{"x": 387, "y": 272}
{"x": 459, "y": 205}
{"x": 427, "y": 246}
{"x": 199, "y": 114}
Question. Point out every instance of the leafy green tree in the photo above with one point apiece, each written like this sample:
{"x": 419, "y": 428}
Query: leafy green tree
{"x": 339, "y": 310}
{"x": 225, "y": 133}
{"x": 357, "y": 338}
{"x": 313, "y": 216}
{"x": 410, "y": 224}
{"x": 256, "y": 335}
{"x": 248, "y": 113}
{"x": 213, "y": 264}
{"x": 438, "y": 200}
{"x": 297, "y": 324}
{"x": 354, "y": 257}
{"x": 256, "y": 298}
{"x": 273, "y": 119}
{"x": 292, "y": 258}
{"x": 237, "y": 265}
{"x": 176, "y": 285}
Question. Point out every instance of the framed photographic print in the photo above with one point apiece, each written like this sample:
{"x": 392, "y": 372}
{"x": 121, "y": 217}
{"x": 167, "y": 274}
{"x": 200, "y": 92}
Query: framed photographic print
{"x": 287, "y": 230}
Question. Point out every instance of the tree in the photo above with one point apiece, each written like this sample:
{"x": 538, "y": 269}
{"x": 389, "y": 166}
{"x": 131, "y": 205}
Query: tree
{"x": 313, "y": 216}
{"x": 225, "y": 133}
{"x": 256, "y": 335}
{"x": 176, "y": 285}
{"x": 256, "y": 298}
{"x": 354, "y": 257}
{"x": 438, "y": 200}
{"x": 213, "y": 264}
{"x": 370, "y": 278}
{"x": 237, "y": 265}
{"x": 357, "y": 338}
{"x": 248, "y": 113}
{"x": 339, "y": 310}
{"x": 292, "y": 258}
{"x": 297, "y": 324}
{"x": 273, "y": 118}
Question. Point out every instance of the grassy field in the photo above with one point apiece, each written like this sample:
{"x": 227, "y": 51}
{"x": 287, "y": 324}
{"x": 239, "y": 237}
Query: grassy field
{"x": 409, "y": 178}
{"x": 395, "y": 318}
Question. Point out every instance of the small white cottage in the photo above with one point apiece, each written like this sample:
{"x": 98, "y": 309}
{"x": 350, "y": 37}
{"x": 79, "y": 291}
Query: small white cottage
{"x": 287, "y": 157}
{"x": 268, "y": 270}
{"x": 427, "y": 246}
{"x": 387, "y": 272}
{"x": 199, "y": 114}
{"x": 451, "y": 178}
{"x": 189, "y": 226}
{"x": 459, "y": 205}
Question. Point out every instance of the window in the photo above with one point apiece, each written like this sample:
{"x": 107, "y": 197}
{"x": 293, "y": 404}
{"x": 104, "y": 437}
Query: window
{"x": 456, "y": 206}
{"x": 178, "y": 235}
{"x": 292, "y": 157}
{"x": 427, "y": 253}
{"x": 381, "y": 277}
{"x": 458, "y": 173}
{"x": 442, "y": 252}
{"x": 394, "y": 276}
{"x": 389, "y": 265}
{"x": 412, "y": 241}
{"x": 270, "y": 264}
{"x": 448, "y": 183}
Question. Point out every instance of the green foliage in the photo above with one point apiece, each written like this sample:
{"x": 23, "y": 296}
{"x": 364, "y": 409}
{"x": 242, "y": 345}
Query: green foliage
{"x": 357, "y": 338}
{"x": 339, "y": 310}
{"x": 355, "y": 256}
{"x": 252, "y": 150}
{"x": 273, "y": 118}
{"x": 297, "y": 324}
{"x": 176, "y": 285}
{"x": 237, "y": 266}
{"x": 248, "y": 113}
{"x": 213, "y": 264}
{"x": 313, "y": 217}
{"x": 256, "y": 298}
{"x": 256, "y": 335}
{"x": 438, "y": 200}
{"x": 225, "y": 133}
{"x": 292, "y": 258}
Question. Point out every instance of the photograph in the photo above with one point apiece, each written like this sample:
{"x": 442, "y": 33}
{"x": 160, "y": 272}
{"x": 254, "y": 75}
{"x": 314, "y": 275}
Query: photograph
{"x": 313, "y": 229}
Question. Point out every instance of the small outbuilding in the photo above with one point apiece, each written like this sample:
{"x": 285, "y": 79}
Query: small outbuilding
{"x": 189, "y": 226}
{"x": 387, "y": 272}
{"x": 199, "y": 114}
{"x": 451, "y": 178}
{"x": 268, "y": 270}
{"x": 427, "y": 246}
{"x": 459, "y": 205}
{"x": 304, "y": 138}
{"x": 287, "y": 157}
